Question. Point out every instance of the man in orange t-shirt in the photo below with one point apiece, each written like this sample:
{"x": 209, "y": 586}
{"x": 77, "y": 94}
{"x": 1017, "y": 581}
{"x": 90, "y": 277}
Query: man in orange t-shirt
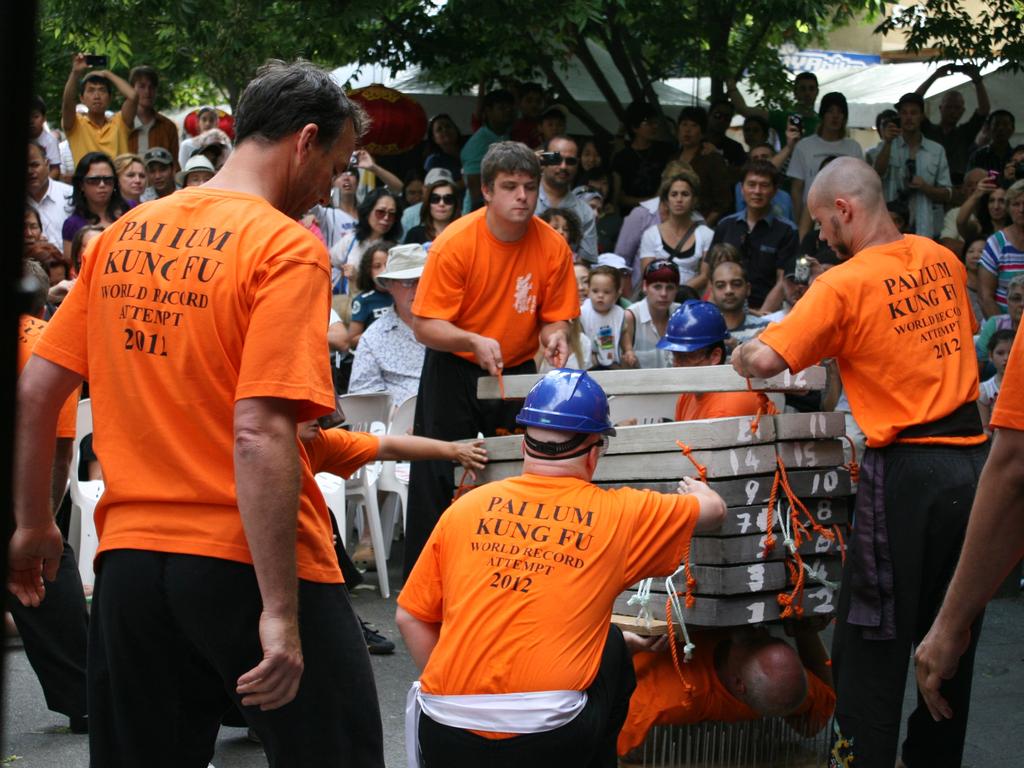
{"x": 696, "y": 335}
{"x": 507, "y": 610}
{"x": 199, "y": 321}
{"x": 897, "y": 318}
{"x": 732, "y": 676}
{"x": 993, "y": 546}
{"x": 54, "y": 633}
{"x": 495, "y": 282}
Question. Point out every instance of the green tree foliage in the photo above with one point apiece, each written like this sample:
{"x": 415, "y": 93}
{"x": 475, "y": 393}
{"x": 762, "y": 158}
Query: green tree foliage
{"x": 205, "y": 49}
{"x": 996, "y": 33}
{"x": 203, "y": 46}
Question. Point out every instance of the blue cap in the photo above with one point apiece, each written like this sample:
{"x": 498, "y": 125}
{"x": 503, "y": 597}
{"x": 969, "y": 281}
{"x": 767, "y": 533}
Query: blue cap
{"x": 567, "y": 400}
{"x": 695, "y": 325}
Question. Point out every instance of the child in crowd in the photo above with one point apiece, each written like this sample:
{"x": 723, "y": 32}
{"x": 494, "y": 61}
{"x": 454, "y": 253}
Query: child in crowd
{"x": 999, "y": 345}
{"x": 582, "y": 281}
{"x": 608, "y": 324}
{"x": 370, "y": 303}
{"x": 567, "y": 224}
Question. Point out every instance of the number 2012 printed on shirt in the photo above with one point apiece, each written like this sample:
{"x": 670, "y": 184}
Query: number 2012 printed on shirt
{"x": 515, "y": 583}
{"x": 150, "y": 343}
{"x": 946, "y": 348}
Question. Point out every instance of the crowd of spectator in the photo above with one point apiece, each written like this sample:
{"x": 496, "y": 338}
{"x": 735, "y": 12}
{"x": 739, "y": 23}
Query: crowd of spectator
{"x": 672, "y": 203}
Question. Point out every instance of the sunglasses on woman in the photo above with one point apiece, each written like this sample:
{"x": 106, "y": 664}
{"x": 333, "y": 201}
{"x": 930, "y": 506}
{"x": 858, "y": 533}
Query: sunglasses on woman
{"x": 382, "y": 213}
{"x": 95, "y": 181}
{"x": 448, "y": 199}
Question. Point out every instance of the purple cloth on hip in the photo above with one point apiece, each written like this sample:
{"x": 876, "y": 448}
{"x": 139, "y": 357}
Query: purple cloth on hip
{"x": 872, "y": 601}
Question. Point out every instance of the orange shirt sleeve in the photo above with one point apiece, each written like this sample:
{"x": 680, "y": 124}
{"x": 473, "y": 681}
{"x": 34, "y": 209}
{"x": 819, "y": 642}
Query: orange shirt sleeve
{"x": 286, "y": 354}
{"x": 422, "y": 595}
{"x": 662, "y": 527}
{"x": 65, "y": 341}
{"x": 67, "y": 421}
{"x": 1009, "y": 410}
{"x": 342, "y": 452}
{"x": 807, "y": 334}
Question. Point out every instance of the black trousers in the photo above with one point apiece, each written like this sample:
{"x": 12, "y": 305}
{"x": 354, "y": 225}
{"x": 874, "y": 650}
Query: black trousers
{"x": 588, "y": 741}
{"x": 170, "y": 636}
{"x": 55, "y": 638}
{"x": 928, "y": 495}
{"x": 447, "y": 408}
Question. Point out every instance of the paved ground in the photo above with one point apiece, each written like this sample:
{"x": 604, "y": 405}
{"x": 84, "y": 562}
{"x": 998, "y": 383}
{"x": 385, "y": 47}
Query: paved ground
{"x": 33, "y": 737}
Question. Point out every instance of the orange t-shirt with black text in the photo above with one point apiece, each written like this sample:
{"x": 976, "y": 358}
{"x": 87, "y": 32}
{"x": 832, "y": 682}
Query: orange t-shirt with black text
{"x": 522, "y": 575}
{"x": 340, "y": 451}
{"x": 187, "y": 305}
{"x": 714, "y": 405}
{"x": 30, "y": 329}
{"x": 898, "y": 320}
{"x": 661, "y": 697}
{"x": 504, "y": 291}
{"x": 1009, "y": 410}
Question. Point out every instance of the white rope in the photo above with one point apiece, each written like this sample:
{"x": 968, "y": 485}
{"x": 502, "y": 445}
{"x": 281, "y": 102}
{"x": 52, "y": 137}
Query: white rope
{"x": 677, "y": 609}
{"x": 786, "y": 525}
{"x": 643, "y": 599}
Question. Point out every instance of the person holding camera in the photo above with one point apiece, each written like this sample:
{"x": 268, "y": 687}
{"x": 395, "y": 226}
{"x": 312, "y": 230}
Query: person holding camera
{"x": 830, "y": 140}
{"x": 559, "y": 162}
{"x": 955, "y": 137}
{"x": 93, "y": 131}
{"x": 914, "y": 169}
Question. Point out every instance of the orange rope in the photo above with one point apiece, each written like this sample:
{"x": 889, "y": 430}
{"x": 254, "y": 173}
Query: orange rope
{"x": 501, "y": 384}
{"x": 463, "y": 486}
{"x": 688, "y": 453}
{"x": 765, "y": 407}
{"x": 769, "y": 539}
{"x": 853, "y": 466}
{"x": 672, "y": 645}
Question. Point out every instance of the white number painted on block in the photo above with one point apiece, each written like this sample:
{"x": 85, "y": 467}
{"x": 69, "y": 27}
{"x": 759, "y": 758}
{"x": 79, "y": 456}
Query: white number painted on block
{"x": 734, "y": 462}
{"x": 756, "y": 613}
{"x": 750, "y": 460}
{"x": 825, "y": 596}
{"x": 825, "y": 510}
{"x": 752, "y": 487}
{"x": 756, "y": 574}
{"x": 831, "y": 481}
{"x": 744, "y": 518}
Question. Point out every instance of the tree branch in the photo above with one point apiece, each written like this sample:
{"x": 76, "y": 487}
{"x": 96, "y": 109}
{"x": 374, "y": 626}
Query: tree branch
{"x": 590, "y": 64}
{"x": 613, "y": 43}
{"x": 599, "y": 131}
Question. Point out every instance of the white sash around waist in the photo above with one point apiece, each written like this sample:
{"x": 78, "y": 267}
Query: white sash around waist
{"x": 529, "y": 712}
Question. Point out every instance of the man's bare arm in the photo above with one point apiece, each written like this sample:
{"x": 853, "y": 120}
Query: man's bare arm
{"x": 993, "y": 544}
{"x": 267, "y": 480}
{"x": 419, "y": 636}
{"x": 755, "y": 359}
{"x": 36, "y": 545}
{"x": 60, "y": 471}
{"x": 444, "y": 336}
{"x": 69, "y": 101}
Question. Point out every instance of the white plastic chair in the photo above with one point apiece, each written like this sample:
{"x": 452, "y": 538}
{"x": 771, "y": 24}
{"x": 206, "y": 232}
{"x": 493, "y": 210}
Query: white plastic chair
{"x": 646, "y": 409}
{"x": 85, "y": 494}
{"x": 394, "y": 475}
{"x": 333, "y": 489}
{"x": 369, "y": 413}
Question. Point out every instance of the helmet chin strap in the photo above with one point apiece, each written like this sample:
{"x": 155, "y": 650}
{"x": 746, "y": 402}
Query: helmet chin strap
{"x": 558, "y": 451}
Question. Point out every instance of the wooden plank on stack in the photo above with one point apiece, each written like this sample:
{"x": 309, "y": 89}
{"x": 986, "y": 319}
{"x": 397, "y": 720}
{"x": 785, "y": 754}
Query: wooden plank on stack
{"x": 655, "y": 381}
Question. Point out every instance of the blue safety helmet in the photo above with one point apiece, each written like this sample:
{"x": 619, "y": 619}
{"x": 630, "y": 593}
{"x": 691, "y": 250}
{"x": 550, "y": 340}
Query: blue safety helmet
{"x": 567, "y": 400}
{"x": 695, "y": 325}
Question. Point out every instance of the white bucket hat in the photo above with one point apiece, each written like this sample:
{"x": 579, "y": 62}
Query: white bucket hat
{"x": 405, "y": 262}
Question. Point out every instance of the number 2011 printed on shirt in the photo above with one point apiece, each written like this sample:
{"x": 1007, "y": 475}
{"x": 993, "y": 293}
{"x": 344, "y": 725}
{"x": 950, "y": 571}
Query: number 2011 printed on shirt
{"x": 150, "y": 343}
{"x": 515, "y": 583}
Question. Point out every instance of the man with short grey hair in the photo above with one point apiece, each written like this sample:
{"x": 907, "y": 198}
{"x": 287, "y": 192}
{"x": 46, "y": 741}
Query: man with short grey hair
{"x": 215, "y": 552}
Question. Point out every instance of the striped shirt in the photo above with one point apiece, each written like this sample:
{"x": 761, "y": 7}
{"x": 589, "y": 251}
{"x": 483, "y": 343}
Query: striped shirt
{"x": 1004, "y": 260}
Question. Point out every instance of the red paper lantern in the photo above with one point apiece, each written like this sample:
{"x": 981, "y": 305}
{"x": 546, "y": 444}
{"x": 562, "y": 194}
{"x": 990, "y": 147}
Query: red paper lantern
{"x": 397, "y": 122}
{"x": 225, "y": 122}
